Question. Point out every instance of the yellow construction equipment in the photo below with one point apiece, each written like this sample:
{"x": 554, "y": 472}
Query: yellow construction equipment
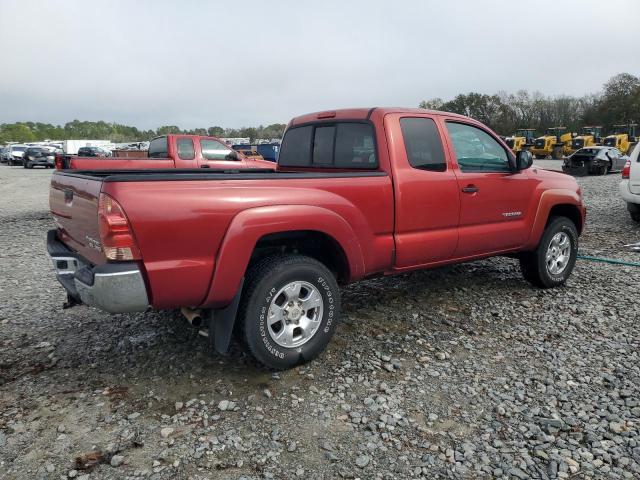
{"x": 589, "y": 136}
{"x": 521, "y": 139}
{"x": 554, "y": 143}
{"x": 623, "y": 137}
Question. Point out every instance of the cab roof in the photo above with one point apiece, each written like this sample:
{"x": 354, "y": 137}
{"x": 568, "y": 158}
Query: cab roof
{"x": 363, "y": 114}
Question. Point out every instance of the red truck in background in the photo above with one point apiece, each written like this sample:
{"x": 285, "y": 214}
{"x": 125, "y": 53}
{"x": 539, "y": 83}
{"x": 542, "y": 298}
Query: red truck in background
{"x": 356, "y": 193}
{"x": 169, "y": 151}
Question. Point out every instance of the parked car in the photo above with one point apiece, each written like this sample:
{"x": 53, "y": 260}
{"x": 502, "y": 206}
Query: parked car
{"x": 38, "y": 156}
{"x": 594, "y": 161}
{"x": 168, "y": 151}
{"x": 93, "y": 152}
{"x": 4, "y": 154}
{"x": 15, "y": 154}
{"x": 630, "y": 184}
{"x": 357, "y": 193}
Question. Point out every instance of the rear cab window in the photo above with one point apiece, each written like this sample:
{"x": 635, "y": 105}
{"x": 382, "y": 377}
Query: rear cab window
{"x": 343, "y": 145}
{"x": 158, "y": 148}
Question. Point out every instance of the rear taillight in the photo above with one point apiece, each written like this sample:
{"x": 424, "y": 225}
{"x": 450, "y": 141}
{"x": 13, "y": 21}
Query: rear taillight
{"x": 626, "y": 170}
{"x": 59, "y": 165}
{"x": 118, "y": 242}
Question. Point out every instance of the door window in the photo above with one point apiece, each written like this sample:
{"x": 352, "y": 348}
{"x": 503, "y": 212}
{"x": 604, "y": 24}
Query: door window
{"x": 185, "y": 149}
{"x": 423, "y": 144}
{"x": 214, "y": 150}
{"x": 476, "y": 150}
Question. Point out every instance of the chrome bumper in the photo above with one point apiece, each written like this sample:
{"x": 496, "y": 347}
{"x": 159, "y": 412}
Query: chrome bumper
{"x": 113, "y": 287}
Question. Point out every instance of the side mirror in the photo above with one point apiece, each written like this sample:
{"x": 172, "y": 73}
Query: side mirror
{"x": 524, "y": 160}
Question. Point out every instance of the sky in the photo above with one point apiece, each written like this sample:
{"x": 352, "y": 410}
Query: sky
{"x": 245, "y": 63}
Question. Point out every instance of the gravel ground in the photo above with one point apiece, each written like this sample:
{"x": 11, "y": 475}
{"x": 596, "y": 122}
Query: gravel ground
{"x": 462, "y": 372}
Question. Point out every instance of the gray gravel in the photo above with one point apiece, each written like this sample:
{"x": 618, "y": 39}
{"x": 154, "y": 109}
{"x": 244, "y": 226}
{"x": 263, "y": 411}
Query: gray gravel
{"x": 463, "y": 372}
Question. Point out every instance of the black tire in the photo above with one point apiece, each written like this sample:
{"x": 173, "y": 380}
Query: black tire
{"x": 264, "y": 280}
{"x": 534, "y": 265}
{"x": 557, "y": 153}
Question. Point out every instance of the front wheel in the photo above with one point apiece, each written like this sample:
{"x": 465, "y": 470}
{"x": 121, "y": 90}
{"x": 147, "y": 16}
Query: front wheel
{"x": 289, "y": 310}
{"x": 552, "y": 262}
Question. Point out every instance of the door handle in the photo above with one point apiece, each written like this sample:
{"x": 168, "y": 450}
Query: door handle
{"x": 470, "y": 189}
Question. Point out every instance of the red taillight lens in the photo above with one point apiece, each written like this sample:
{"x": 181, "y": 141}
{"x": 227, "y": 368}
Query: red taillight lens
{"x": 58, "y": 162}
{"x": 626, "y": 170}
{"x": 118, "y": 242}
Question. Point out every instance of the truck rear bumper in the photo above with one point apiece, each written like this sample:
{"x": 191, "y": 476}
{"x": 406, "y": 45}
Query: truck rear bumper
{"x": 113, "y": 287}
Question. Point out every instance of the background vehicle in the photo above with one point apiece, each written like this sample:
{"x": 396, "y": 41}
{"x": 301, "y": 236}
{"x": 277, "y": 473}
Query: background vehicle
{"x": 93, "y": 152}
{"x": 598, "y": 160}
{"x": 523, "y": 137}
{"x": 4, "y": 154}
{"x": 630, "y": 184}
{"x": 554, "y": 143}
{"x": 169, "y": 151}
{"x": 38, "y": 156}
{"x": 589, "y": 137}
{"x": 71, "y": 147}
{"x": 623, "y": 137}
{"x": 357, "y": 193}
{"x": 15, "y": 154}
{"x": 250, "y": 154}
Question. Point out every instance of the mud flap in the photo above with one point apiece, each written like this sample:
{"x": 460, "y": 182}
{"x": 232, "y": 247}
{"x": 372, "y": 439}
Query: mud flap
{"x": 221, "y": 322}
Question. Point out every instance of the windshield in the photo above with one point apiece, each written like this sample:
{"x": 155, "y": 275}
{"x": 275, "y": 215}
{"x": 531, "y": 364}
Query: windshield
{"x": 18, "y": 149}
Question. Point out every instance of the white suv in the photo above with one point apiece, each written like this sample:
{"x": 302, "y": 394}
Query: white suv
{"x": 630, "y": 184}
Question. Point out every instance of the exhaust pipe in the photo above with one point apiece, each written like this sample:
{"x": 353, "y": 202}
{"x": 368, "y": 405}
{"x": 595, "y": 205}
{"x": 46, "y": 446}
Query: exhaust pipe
{"x": 193, "y": 316}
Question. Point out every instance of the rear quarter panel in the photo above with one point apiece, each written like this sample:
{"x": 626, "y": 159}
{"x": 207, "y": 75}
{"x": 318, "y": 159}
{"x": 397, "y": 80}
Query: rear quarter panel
{"x": 180, "y": 225}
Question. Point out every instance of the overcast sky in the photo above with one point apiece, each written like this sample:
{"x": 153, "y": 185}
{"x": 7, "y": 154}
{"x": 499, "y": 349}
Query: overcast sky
{"x": 244, "y": 63}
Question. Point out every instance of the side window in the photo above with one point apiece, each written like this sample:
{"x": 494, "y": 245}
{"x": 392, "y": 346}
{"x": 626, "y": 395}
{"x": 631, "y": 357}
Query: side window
{"x": 295, "y": 150}
{"x": 476, "y": 150}
{"x": 214, "y": 150}
{"x": 158, "y": 148}
{"x": 423, "y": 144}
{"x": 185, "y": 149}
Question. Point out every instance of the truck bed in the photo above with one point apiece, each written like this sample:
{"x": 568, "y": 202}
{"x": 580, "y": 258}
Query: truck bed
{"x": 180, "y": 219}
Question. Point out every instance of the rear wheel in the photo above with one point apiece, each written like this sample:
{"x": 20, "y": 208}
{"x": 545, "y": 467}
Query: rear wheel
{"x": 557, "y": 153}
{"x": 289, "y": 310}
{"x": 552, "y": 262}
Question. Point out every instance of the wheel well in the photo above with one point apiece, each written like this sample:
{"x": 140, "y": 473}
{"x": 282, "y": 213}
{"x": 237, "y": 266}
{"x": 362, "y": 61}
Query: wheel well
{"x": 312, "y": 243}
{"x": 569, "y": 211}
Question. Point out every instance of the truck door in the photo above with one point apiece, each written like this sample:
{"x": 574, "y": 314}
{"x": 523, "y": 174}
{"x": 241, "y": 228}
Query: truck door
{"x": 426, "y": 192}
{"x": 185, "y": 153}
{"x": 494, "y": 200}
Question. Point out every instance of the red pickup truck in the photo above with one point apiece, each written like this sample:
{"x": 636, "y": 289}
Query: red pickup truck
{"x": 169, "y": 151}
{"x": 357, "y": 193}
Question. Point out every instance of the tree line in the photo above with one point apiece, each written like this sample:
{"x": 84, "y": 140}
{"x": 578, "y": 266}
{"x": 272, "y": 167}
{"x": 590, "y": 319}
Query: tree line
{"x": 618, "y": 102}
{"x": 117, "y": 133}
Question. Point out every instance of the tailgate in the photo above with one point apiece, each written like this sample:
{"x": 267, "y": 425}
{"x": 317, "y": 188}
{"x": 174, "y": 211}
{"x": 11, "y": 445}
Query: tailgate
{"x": 73, "y": 201}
